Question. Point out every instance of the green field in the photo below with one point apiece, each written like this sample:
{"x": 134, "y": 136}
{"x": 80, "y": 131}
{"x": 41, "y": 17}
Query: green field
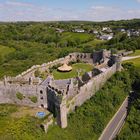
{"x": 32, "y": 52}
{"x": 136, "y": 62}
{"x": 82, "y": 67}
{"x": 137, "y": 52}
{"x": 95, "y": 42}
{"x": 76, "y": 36}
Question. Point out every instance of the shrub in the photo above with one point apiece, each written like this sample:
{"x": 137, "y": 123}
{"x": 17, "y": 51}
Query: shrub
{"x": 51, "y": 69}
{"x": 19, "y": 96}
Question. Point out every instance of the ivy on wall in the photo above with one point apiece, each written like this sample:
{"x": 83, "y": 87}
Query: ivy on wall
{"x": 33, "y": 99}
{"x": 20, "y": 96}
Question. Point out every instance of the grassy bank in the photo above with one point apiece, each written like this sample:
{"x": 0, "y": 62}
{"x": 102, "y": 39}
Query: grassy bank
{"x": 135, "y": 62}
{"x": 136, "y": 53}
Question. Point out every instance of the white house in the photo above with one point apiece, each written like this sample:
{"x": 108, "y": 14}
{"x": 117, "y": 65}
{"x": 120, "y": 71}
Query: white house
{"x": 122, "y": 30}
{"x": 106, "y": 37}
{"x": 79, "y": 30}
{"x": 60, "y": 30}
{"x": 107, "y": 29}
{"x": 95, "y": 32}
{"x": 104, "y": 28}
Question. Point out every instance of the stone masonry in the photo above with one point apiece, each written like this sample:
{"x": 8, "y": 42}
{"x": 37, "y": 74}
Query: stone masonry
{"x": 60, "y": 96}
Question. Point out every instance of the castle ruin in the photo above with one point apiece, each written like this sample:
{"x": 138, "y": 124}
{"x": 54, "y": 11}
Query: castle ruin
{"x": 60, "y": 96}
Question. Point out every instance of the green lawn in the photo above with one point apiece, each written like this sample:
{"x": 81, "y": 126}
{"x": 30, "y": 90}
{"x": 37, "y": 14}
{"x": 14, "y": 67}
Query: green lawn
{"x": 83, "y": 67}
{"x": 136, "y": 62}
{"x": 137, "y": 52}
{"x": 81, "y": 36}
{"x": 95, "y": 42}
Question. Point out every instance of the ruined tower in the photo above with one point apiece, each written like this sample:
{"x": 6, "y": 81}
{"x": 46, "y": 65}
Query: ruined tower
{"x": 118, "y": 62}
{"x": 116, "y": 59}
{"x": 61, "y": 113}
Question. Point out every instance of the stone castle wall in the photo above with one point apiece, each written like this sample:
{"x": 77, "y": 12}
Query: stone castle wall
{"x": 50, "y": 97}
{"x": 84, "y": 57}
{"x": 90, "y": 88}
{"x": 8, "y": 91}
{"x": 8, "y": 94}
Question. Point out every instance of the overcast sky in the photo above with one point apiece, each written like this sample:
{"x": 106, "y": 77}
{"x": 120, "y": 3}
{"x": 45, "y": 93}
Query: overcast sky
{"x": 50, "y": 10}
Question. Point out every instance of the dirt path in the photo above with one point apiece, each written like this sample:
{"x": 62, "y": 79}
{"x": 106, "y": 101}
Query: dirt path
{"x": 130, "y": 57}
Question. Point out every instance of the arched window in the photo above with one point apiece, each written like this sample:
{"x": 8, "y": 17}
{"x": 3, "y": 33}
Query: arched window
{"x": 41, "y": 92}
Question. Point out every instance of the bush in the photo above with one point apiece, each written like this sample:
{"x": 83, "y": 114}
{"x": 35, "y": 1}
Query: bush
{"x": 51, "y": 69}
{"x": 19, "y": 96}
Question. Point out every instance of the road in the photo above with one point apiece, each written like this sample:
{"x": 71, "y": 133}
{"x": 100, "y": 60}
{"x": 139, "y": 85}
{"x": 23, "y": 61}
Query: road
{"x": 118, "y": 120}
{"x": 116, "y": 123}
{"x": 130, "y": 57}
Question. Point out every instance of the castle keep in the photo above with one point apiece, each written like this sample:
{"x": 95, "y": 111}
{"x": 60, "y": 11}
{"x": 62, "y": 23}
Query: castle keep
{"x": 60, "y": 96}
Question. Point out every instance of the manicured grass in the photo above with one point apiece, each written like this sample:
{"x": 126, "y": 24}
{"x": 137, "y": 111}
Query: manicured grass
{"x": 82, "y": 67}
{"x": 137, "y": 52}
{"x": 136, "y": 62}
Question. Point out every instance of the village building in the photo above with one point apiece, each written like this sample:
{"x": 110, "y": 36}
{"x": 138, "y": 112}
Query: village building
{"x": 106, "y": 37}
{"x": 79, "y": 30}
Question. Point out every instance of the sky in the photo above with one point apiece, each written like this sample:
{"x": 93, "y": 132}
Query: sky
{"x": 58, "y": 10}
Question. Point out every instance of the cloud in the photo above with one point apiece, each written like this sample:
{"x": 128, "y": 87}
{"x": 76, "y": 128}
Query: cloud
{"x": 103, "y": 13}
{"x": 20, "y": 11}
{"x": 138, "y": 1}
{"x": 15, "y": 3}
